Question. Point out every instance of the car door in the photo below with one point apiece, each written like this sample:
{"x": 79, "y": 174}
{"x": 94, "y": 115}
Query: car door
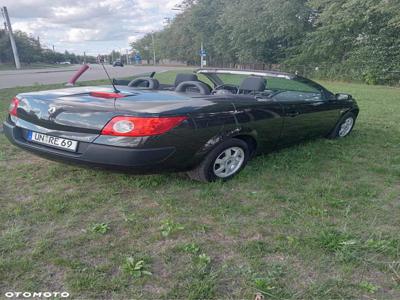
{"x": 261, "y": 118}
{"x": 308, "y": 112}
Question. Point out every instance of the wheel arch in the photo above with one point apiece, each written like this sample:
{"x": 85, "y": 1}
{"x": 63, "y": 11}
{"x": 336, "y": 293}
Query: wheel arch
{"x": 216, "y": 140}
{"x": 250, "y": 141}
{"x": 355, "y": 111}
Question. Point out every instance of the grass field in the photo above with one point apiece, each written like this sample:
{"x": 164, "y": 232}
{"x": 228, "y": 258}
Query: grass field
{"x": 317, "y": 220}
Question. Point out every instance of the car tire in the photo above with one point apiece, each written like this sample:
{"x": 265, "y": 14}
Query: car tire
{"x": 223, "y": 162}
{"x": 344, "y": 126}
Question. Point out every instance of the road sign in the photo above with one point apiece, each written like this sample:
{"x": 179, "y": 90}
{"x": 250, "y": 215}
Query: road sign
{"x": 138, "y": 58}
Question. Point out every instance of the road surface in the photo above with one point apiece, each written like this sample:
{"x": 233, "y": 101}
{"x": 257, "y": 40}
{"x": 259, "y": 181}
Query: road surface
{"x": 13, "y": 78}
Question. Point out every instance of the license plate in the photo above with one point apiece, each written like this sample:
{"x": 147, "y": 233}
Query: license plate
{"x": 52, "y": 141}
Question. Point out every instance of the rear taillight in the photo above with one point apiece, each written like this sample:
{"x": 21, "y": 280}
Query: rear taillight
{"x": 13, "y": 106}
{"x": 137, "y": 126}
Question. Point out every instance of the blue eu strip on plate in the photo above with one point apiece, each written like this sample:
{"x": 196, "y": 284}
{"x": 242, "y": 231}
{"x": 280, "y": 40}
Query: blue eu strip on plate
{"x": 30, "y": 135}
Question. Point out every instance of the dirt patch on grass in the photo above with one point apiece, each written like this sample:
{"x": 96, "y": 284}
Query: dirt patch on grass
{"x": 54, "y": 278}
{"x": 155, "y": 290}
{"x": 23, "y": 160}
{"x": 385, "y": 286}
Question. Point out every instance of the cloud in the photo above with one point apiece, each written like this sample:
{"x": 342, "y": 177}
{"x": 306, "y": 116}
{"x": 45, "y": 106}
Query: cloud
{"x": 91, "y": 26}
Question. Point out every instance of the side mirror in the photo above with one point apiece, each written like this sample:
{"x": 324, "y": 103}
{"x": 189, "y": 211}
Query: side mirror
{"x": 343, "y": 97}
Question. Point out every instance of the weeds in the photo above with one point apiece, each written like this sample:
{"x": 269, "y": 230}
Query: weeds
{"x": 169, "y": 227}
{"x": 135, "y": 268}
{"x": 101, "y": 228}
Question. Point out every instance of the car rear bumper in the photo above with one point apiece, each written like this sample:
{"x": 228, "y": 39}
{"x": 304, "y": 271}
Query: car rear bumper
{"x": 92, "y": 154}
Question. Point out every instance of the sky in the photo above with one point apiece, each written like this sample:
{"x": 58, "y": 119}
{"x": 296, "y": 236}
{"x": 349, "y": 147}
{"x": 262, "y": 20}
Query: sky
{"x": 94, "y": 27}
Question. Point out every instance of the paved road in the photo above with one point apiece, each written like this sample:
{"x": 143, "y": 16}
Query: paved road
{"x": 15, "y": 78}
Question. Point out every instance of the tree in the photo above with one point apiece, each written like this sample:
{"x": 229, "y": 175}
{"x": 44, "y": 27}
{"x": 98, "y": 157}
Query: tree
{"x": 357, "y": 39}
{"x": 361, "y": 37}
{"x": 263, "y": 30}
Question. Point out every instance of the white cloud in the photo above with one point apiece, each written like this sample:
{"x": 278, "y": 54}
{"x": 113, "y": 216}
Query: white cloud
{"x": 78, "y": 35}
{"x": 92, "y": 26}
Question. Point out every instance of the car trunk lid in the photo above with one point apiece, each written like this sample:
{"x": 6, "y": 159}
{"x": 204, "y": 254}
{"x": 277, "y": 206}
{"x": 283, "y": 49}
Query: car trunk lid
{"x": 160, "y": 103}
{"x": 88, "y": 109}
{"x": 71, "y": 109}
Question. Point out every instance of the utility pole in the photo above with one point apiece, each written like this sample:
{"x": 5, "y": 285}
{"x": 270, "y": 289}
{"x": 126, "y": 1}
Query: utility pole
{"x": 84, "y": 57}
{"x": 13, "y": 44}
{"x": 154, "y": 48}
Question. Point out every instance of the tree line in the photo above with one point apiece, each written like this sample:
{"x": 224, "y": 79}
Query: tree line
{"x": 31, "y": 51}
{"x": 341, "y": 39}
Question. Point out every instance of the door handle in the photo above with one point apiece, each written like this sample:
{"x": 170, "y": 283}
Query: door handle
{"x": 293, "y": 114}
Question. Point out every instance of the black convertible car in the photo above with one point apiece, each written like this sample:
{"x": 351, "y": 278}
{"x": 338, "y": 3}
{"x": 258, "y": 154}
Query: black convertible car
{"x": 208, "y": 123}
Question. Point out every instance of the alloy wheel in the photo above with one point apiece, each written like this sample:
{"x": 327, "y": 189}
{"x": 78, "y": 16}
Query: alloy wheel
{"x": 346, "y": 127}
{"x": 229, "y": 162}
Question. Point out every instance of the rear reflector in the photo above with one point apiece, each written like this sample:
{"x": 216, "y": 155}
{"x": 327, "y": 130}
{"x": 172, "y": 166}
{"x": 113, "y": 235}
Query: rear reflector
{"x": 107, "y": 95}
{"x": 13, "y": 106}
{"x": 136, "y": 126}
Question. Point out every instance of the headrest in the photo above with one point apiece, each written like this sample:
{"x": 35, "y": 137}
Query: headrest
{"x": 189, "y": 86}
{"x": 145, "y": 82}
{"x": 253, "y": 83}
{"x": 185, "y": 77}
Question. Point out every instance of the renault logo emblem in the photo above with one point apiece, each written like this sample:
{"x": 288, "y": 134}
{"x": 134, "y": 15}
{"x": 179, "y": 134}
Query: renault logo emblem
{"x": 52, "y": 110}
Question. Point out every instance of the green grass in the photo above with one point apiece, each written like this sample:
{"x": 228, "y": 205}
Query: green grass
{"x": 317, "y": 220}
